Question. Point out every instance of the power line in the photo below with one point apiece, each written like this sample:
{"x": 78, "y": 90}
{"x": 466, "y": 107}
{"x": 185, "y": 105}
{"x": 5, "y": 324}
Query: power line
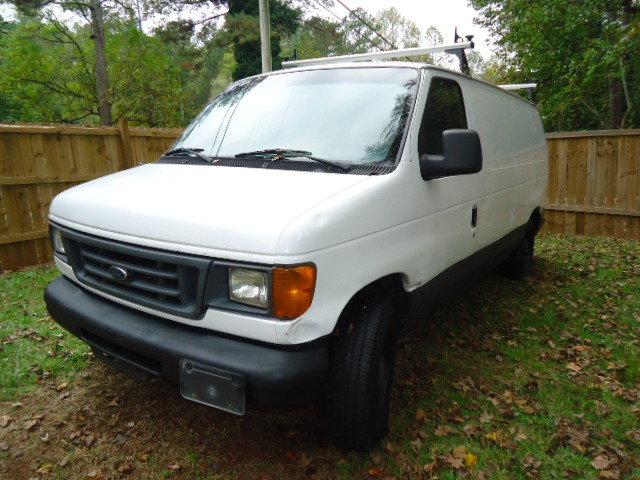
{"x": 367, "y": 24}
{"x": 353, "y": 29}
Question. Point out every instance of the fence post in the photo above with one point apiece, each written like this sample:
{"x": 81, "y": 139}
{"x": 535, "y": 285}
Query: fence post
{"x": 126, "y": 151}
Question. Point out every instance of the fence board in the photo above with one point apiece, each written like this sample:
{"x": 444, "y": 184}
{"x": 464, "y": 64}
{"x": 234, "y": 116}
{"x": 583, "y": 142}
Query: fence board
{"x": 594, "y": 183}
{"x": 38, "y": 162}
{"x": 593, "y": 189}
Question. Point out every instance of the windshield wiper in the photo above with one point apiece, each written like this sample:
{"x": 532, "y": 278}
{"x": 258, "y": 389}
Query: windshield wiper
{"x": 287, "y": 154}
{"x": 192, "y": 152}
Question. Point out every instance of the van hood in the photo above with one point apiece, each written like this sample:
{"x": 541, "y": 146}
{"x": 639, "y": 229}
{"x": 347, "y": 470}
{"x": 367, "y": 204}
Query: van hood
{"x": 228, "y": 208}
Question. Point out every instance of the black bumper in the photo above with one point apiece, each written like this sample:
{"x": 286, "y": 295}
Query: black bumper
{"x": 150, "y": 346}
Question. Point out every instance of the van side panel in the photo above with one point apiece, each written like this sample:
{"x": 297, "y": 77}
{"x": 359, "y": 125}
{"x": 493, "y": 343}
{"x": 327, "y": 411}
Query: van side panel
{"x": 515, "y": 168}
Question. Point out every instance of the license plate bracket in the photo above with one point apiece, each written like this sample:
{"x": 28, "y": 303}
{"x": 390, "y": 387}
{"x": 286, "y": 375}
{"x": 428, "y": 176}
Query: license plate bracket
{"x": 212, "y": 386}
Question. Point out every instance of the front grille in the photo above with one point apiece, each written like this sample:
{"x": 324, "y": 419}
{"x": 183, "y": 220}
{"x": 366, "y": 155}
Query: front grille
{"x": 169, "y": 282}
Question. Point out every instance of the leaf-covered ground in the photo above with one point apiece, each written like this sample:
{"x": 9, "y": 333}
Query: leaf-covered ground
{"x": 533, "y": 379}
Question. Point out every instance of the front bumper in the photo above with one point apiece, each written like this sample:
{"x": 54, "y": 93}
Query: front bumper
{"x": 275, "y": 377}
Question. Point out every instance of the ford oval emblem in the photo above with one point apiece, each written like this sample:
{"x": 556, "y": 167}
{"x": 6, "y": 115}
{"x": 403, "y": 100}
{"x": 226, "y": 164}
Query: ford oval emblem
{"x": 118, "y": 273}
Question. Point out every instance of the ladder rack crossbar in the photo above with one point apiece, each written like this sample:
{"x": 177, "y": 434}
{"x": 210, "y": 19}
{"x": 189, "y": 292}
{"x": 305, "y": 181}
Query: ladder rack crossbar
{"x": 518, "y": 86}
{"x": 383, "y": 55}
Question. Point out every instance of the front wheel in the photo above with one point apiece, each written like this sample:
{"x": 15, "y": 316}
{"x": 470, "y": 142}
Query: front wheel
{"x": 361, "y": 377}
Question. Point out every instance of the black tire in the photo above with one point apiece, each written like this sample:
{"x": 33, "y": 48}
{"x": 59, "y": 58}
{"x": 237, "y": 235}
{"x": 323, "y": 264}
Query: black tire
{"x": 361, "y": 377}
{"x": 518, "y": 265}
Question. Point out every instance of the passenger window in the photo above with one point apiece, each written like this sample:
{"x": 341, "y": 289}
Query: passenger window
{"x": 444, "y": 110}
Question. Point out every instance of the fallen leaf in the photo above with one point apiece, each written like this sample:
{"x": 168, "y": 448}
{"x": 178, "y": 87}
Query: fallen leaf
{"x": 460, "y": 452}
{"x": 471, "y": 460}
{"x": 574, "y": 367}
{"x": 96, "y": 476}
{"x": 174, "y": 467}
{"x": 4, "y": 420}
{"x": 45, "y": 469}
{"x": 613, "y": 474}
{"x": 421, "y": 415}
{"x": 456, "y": 463}
{"x": 304, "y": 460}
{"x": 63, "y": 462}
{"x": 443, "y": 431}
{"x": 291, "y": 455}
{"x": 485, "y": 417}
{"x": 471, "y": 430}
{"x": 62, "y": 386}
{"x": 634, "y": 435}
{"x": 31, "y": 425}
{"x": 375, "y": 472}
{"x": 601, "y": 462}
{"x": 429, "y": 467}
{"x": 89, "y": 439}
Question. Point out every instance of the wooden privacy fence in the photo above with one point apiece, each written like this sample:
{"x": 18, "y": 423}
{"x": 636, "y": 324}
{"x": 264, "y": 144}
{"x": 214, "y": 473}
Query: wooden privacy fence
{"x": 594, "y": 188}
{"x": 593, "y": 179}
{"x": 38, "y": 162}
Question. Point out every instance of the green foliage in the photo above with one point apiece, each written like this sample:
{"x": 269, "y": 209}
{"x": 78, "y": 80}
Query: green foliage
{"x": 163, "y": 78}
{"x": 243, "y": 33}
{"x": 584, "y": 56}
{"x": 47, "y": 75}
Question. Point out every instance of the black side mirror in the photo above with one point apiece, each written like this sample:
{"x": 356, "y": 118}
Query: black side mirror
{"x": 462, "y": 154}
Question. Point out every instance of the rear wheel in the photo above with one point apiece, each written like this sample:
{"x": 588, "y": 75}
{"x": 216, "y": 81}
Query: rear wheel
{"x": 518, "y": 265}
{"x": 361, "y": 377}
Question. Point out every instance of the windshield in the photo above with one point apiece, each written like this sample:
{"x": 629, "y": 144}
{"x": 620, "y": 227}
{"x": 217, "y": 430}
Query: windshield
{"x": 351, "y": 115}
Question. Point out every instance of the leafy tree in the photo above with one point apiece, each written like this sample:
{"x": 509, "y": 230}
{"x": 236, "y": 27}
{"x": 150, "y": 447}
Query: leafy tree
{"x": 585, "y": 56}
{"x": 243, "y": 31}
{"x": 49, "y": 77}
{"x": 93, "y": 11}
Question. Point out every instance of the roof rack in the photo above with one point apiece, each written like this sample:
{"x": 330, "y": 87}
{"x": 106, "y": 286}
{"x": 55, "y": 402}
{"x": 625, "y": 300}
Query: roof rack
{"x": 518, "y": 86}
{"x": 529, "y": 87}
{"x": 457, "y": 48}
{"x": 382, "y": 55}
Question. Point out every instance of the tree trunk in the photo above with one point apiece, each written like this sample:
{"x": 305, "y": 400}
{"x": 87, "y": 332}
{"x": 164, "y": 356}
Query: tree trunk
{"x": 102, "y": 79}
{"x": 617, "y": 104}
{"x": 618, "y": 100}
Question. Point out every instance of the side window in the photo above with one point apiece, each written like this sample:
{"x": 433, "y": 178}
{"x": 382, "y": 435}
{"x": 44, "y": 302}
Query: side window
{"x": 444, "y": 110}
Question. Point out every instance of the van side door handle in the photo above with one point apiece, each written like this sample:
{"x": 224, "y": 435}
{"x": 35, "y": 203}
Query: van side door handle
{"x": 474, "y": 216}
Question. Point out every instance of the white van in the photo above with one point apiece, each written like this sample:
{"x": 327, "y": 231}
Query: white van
{"x": 274, "y": 256}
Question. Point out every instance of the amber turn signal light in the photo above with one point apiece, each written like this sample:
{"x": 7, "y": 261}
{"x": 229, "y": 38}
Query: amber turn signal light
{"x": 293, "y": 289}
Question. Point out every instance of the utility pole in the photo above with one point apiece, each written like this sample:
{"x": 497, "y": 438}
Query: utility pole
{"x": 265, "y": 35}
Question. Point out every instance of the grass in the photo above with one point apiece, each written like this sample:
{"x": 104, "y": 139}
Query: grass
{"x": 31, "y": 345}
{"x": 532, "y": 379}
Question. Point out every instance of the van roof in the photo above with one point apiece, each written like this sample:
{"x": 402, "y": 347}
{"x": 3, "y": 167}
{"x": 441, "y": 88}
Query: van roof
{"x": 392, "y": 64}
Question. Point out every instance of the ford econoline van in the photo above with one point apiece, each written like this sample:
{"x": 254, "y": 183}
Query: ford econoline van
{"x": 300, "y": 224}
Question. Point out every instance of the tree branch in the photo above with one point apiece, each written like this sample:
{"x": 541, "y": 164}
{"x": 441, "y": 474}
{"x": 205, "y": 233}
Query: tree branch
{"x": 593, "y": 111}
{"x": 627, "y": 95}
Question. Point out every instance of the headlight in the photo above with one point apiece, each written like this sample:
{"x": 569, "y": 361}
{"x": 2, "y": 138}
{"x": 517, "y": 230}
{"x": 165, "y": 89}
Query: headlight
{"x": 56, "y": 241}
{"x": 249, "y": 287}
{"x": 284, "y": 292}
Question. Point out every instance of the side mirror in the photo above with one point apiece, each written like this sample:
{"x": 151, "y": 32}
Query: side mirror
{"x": 462, "y": 154}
